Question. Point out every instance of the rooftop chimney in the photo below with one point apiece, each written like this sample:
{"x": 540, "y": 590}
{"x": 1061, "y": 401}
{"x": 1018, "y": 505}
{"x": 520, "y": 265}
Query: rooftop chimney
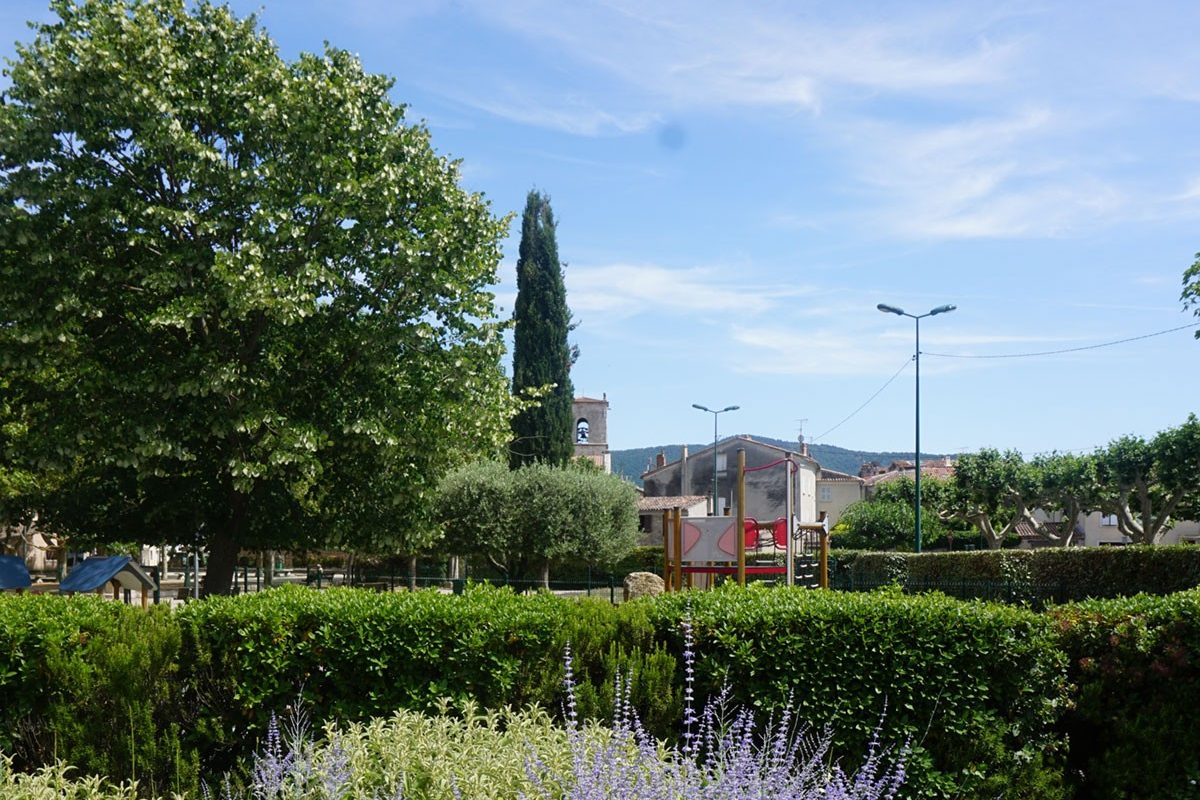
{"x": 660, "y": 460}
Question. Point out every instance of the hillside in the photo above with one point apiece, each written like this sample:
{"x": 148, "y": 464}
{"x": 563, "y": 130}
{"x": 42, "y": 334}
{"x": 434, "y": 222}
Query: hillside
{"x": 633, "y": 462}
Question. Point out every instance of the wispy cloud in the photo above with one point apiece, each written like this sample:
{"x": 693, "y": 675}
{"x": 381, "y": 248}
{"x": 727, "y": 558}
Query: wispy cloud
{"x": 782, "y": 350}
{"x": 985, "y": 177}
{"x": 720, "y": 54}
{"x": 624, "y": 290}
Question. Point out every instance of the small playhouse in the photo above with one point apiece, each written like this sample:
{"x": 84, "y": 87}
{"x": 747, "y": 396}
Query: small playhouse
{"x": 14, "y": 575}
{"x": 697, "y": 549}
{"x": 98, "y": 572}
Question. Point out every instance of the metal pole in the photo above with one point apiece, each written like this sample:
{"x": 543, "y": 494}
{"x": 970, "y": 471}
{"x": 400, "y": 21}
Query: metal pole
{"x": 715, "y": 415}
{"x": 790, "y": 548}
{"x": 677, "y": 522}
{"x": 917, "y": 476}
{"x": 741, "y": 517}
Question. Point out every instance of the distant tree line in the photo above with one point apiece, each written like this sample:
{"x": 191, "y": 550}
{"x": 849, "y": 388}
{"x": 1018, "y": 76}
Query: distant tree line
{"x": 1147, "y": 485}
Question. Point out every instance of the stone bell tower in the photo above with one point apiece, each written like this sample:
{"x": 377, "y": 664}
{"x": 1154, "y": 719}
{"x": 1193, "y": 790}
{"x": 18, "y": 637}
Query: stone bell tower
{"x": 591, "y": 430}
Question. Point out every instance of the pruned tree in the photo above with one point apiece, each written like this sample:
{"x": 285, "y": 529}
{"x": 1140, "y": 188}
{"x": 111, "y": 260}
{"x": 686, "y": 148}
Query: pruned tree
{"x": 988, "y": 491}
{"x": 542, "y": 356}
{"x": 1061, "y": 486}
{"x": 523, "y": 520}
{"x": 1144, "y": 483}
{"x": 243, "y": 293}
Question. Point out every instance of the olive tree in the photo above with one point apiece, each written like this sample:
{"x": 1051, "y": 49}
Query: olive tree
{"x": 522, "y": 520}
{"x": 242, "y": 292}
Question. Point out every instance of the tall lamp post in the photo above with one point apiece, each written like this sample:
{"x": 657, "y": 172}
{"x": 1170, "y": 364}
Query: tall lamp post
{"x": 917, "y": 357}
{"x": 715, "y": 415}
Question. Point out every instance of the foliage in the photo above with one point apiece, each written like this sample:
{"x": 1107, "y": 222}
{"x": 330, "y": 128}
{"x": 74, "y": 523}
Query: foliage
{"x": 1144, "y": 482}
{"x": 542, "y": 433}
{"x": 987, "y": 492}
{"x": 993, "y": 721}
{"x": 1136, "y": 664}
{"x": 93, "y": 683}
{"x": 847, "y": 659}
{"x": 1190, "y": 296}
{"x": 1060, "y": 574}
{"x": 885, "y": 524}
{"x": 241, "y": 296}
{"x": 57, "y": 782}
{"x": 524, "y": 519}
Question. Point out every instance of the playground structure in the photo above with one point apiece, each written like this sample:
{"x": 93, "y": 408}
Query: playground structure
{"x": 709, "y": 546}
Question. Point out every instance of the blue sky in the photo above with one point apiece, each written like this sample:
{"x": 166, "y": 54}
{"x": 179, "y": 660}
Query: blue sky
{"x": 737, "y": 188}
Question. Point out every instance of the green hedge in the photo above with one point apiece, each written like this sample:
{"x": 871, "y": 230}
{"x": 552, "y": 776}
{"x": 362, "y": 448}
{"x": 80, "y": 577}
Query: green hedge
{"x": 975, "y": 688}
{"x": 94, "y": 684}
{"x": 981, "y": 690}
{"x": 1135, "y": 665}
{"x": 1059, "y": 574}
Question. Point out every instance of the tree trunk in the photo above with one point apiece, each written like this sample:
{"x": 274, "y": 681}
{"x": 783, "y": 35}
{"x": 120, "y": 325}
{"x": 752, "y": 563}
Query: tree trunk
{"x": 546, "y": 574}
{"x": 222, "y": 562}
{"x": 223, "y": 546}
{"x": 412, "y": 573}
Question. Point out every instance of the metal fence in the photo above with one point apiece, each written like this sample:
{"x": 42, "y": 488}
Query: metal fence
{"x": 1037, "y": 595}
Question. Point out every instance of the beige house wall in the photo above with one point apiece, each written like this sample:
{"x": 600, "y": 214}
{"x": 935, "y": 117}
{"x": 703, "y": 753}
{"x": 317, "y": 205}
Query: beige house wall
{"x": 841, "y": 494}
{"x": 1095, "y": 532}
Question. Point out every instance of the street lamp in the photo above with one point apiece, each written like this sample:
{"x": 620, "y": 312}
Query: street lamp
{"x": 917, "y": 476}
{"x": 715, "y": 415}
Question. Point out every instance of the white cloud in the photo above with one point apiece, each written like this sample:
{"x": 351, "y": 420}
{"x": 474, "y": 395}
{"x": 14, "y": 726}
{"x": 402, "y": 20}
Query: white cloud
{"x": 625, "y": 290}
{"x": 779, "y": 350}
{"x": 673, "y": 56}
{"x": 1000, "y": 176}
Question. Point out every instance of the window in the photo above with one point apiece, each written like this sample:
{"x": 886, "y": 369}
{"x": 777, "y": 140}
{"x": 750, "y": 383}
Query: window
{"x": 825, "y": 494}
{"x": 581, "y": 431}
{"x": 1109, "y": 520}
{"x": 721, "y": 462}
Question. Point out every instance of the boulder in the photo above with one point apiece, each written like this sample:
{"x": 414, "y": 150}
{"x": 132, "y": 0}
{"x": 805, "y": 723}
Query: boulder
{"x": 642, "y": 584}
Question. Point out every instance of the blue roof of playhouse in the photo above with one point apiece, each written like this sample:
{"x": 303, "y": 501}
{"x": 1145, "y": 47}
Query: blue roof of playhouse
{"x": 13, "y": 573}
{"x": 99, "y": 570}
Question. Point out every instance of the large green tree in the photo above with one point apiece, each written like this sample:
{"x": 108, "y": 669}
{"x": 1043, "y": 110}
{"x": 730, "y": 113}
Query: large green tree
{"x": 542, "y": 356}
{"x": 522, "y": 520}
{"x": 239, "y": 295}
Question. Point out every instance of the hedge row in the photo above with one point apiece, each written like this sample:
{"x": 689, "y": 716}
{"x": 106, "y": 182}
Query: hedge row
{"x": 1060, "y": 574}
{"x": 980, "y": 691}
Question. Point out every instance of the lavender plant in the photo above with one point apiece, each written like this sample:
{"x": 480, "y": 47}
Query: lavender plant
{"x": 723, "y": 756}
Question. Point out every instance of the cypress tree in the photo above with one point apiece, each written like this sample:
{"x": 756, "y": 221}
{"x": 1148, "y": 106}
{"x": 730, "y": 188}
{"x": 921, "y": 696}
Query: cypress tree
{"x": 541, "y": 354}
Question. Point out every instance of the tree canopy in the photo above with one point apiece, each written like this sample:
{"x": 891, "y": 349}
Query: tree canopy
{"x": 544, "y": 431}
{"x": 1146, "y": 482}
{"x": 522, "y": 520}
{"x": 243, "y": 299}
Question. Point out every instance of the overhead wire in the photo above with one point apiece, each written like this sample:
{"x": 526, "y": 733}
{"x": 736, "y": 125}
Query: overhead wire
{"x": 1067, "y": 349}
{"x": 887, "y": 383}
{"x": 903, "y": 366}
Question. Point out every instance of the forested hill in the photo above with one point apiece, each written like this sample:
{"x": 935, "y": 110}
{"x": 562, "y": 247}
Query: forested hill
{"x": 633, "y": 462}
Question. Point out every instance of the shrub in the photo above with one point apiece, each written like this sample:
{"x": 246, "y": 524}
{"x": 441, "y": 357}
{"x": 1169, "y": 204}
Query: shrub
{"x": 884, "y": 525}
{"x": 976, "y": 687}
{"x": 1135, "y": 663}
{"x": 93, "y": 683}
{"x": 1061, "y": 574}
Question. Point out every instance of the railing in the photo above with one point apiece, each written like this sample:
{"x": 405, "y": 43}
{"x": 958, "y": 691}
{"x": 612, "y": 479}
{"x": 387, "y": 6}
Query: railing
{"x": 1037, "y": 595}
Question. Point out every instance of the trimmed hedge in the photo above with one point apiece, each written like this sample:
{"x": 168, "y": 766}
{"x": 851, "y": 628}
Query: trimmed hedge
{"x": 94, "y": 684}
{"x": 1061, "y": 574}
{"x": 980, "y": 690}
{"x": 1135, "y": 665}
{"x": 974, "y": 688}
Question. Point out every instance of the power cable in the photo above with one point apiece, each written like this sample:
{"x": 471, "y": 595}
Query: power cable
{"x": 868, "y": 401}
{"x": 1066, "y": 350}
